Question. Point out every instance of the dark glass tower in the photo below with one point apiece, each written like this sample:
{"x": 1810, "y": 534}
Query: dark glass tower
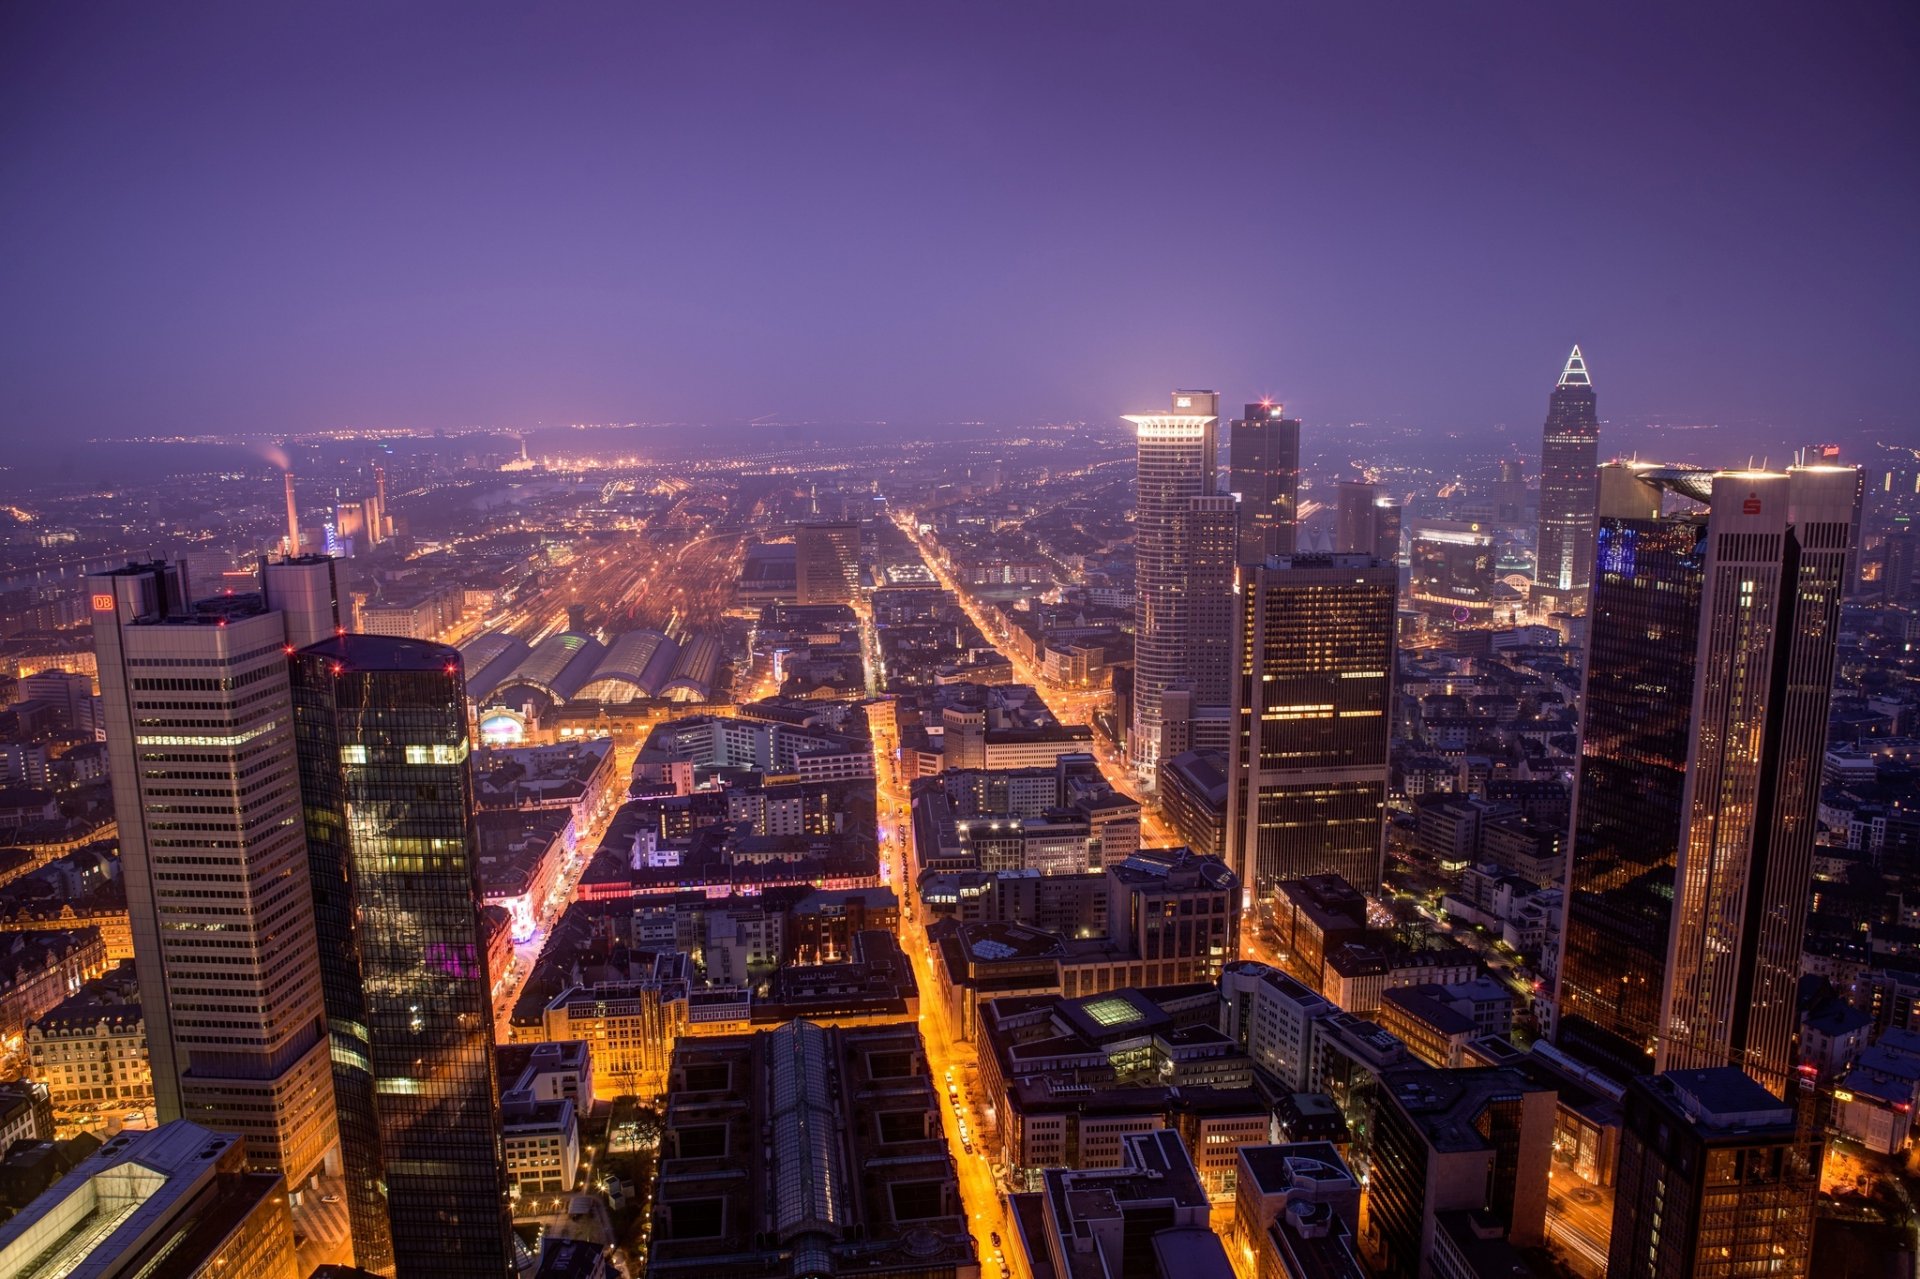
{"x": 1264, "y": 459}
{"x": 1711, "y": 651}
{"x": 382, "y": 731}
{"x": 1643, "y": 627}
{"x": 1568, "y": 453}
{"x": 1308, "y": 788}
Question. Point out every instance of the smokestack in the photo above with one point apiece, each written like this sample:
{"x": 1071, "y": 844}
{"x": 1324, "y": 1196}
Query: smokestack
{"x": 293, "y": 520}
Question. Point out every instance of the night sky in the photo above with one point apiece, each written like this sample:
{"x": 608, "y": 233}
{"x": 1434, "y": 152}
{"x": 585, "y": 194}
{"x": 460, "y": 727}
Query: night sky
{"x": 261, "y": 217}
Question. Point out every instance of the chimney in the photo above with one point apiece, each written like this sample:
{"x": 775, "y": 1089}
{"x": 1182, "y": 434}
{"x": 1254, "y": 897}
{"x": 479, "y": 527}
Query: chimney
{"x": 293, "y": 520}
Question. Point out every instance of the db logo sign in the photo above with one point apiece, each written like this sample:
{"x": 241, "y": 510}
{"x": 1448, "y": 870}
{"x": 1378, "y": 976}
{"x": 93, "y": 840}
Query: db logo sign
{"x": 103, "y": 603}
{"x": 1751, "y": 506}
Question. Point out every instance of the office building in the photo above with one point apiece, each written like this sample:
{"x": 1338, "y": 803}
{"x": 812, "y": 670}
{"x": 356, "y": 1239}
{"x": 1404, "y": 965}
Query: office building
{"x": 1296, "y": 1210}
{"x": 1365, "y": 523}
{"x": 1473, "y": 1141}
{"x": 826, "y": 562}
{"x": 1353, "y": 517}
{"x": 1193, "y": 800}
{"x": 1451, "y": 572}
{"x": 1308, "y": 783}
{"x": 1183, "y": 555}
{"x": 200, "y": 742}
{"x": 1145, "y": 1219}
{"x": 1711, "y": 648}
{"x": 1569, "y": 450}
{"x": 382, "y": 732}
{"x": 176, "y": 1201}
{"x": 1717, "y": 1176}
{"x": 1263, "y": 455}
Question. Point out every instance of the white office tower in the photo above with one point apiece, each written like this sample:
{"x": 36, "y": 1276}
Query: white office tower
{"x": 1183, "y": 576}
{"x": 199, "y": 723}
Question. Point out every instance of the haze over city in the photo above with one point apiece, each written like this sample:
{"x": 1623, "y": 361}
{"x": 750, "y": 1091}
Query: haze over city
{"x": 233, "y": 219}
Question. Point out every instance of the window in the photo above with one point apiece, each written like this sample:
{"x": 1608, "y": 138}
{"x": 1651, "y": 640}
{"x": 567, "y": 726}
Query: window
{"x": 436, "y": 754}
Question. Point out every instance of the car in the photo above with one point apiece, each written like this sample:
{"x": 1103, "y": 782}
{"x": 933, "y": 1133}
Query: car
{"x": 995, "y": 1236}
{"x": 329, "y": 1199}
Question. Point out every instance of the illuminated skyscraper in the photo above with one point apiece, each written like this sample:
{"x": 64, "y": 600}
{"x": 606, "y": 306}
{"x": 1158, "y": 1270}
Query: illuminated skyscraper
{"x": 1569, "y": 451}
{"x": 826, "y": 562}
{"x": 200, "y": 742}
{"x": 1174, "y": 575}
{"x": 1717, "y": 1177}
{"x": 382, "y": 730}
{"x": 1307, "y": 790}
{"x": 1264, "y": 459}
{"x": 1711, "y": 646}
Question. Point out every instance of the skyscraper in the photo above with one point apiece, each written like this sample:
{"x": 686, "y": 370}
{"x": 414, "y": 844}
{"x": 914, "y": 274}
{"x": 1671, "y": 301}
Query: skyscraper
{"x": 200, "y": 743}
{"x": 382, "y": 731}
{"x": 1177, "y": 526}
{"x": 1353, "y": 532}
{"x": 826, "y": 561}
{"x": 1710, "y": 658}
{"x": 1307, "y": 790}
{"x": 1569, "y": 450}
{"x": 1716, "y": 1177}
{"x": 1264, "y": 462}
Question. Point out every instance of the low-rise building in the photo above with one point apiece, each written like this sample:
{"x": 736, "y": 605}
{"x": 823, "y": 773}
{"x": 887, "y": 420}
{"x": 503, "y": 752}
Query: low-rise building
{"x": 1144, "y": 1216}
{"x": 91, "y": 1050}
{"x": 807, "y": 1149}
{"x": 1297, "y": 1210}
{"x": 178, "y": 1195}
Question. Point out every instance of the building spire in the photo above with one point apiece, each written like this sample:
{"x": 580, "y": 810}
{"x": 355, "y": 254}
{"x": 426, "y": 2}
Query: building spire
{"x": 1575, "y": 374}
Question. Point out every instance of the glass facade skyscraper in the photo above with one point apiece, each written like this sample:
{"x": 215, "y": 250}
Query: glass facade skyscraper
{"x": 1307, "y": 791}
{"x": 1569, "y": 450}
{"x": 1711, "y": 649}
{"x": 1637, "y": 715}
{"x": 1264, "y": 460}
{"x": 382, "y": 732}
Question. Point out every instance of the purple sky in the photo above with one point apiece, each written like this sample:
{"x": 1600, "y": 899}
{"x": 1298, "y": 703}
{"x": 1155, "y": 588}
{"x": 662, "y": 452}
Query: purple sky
{"x": 278, "y": 217}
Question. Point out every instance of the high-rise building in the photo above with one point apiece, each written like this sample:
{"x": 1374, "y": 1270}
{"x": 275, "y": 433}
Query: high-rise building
{"x": 1366, "y": 523}
{"x": 199, "y": 725}
{"x": 1307, "y": 789}
{"x": 1208, "y": 538}
{"x": 1264, "y": 461}
{"x": 1353, "y": 517}
{"x": 826, "y": 561}
{"x": 1177, "y": 528}
{"x": 1569, "y": 449}
{"x": 1716, "y": 1176}
{"x": 382, "y": 732}
{"x": 1711, "y": 647}
{"x": 1451, "y": 571}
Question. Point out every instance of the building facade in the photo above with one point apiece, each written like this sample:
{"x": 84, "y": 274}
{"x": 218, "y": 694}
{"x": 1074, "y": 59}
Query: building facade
{"x": 1175, "y": 471}
{"x": 382, "y": 731}
{"x": 1264, "y": 458}
{"x": 826, "y": 562}
{"x": 1711, "y": 654}
{"x": 1308, "y": 785}
{"x": 200, "y": 739}
{"x": 1716, "y": 1178}
{"x": 1569, "y": 450}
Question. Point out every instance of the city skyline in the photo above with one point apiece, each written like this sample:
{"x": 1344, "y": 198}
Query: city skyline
{"x": 612, "y": 663}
